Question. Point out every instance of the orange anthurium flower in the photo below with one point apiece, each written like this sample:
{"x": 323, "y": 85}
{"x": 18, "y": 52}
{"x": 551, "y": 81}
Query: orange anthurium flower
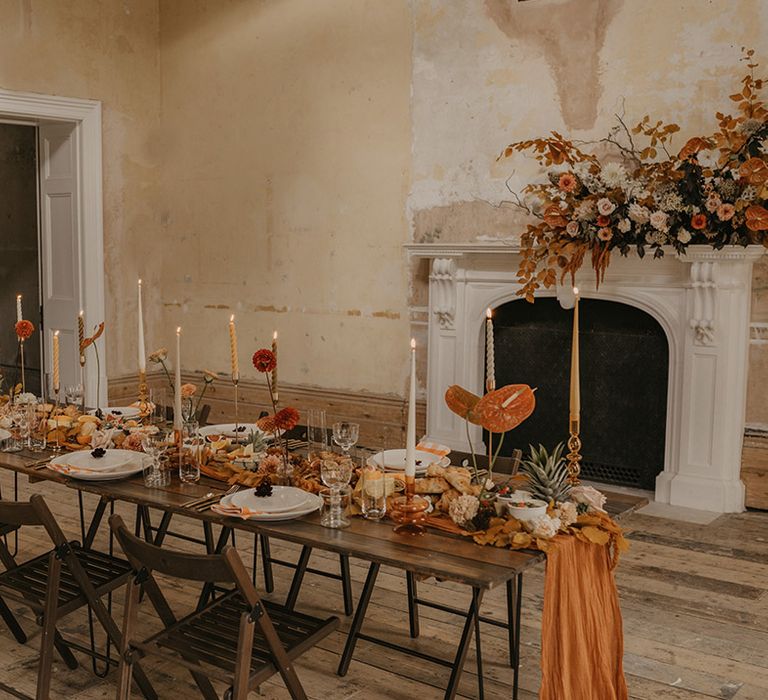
{"x": 462, "y": 403}
{"x": 505, "y": 408}
{"x": 693, "y": 146}
{"x": 757, "y": 218}
{"x": 90, "y": 341}
{"x": 754, "y": 171}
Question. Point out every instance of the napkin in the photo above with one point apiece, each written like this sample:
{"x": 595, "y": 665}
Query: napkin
{"x": 235, "y": 511}
{"x": 434, "y": 448}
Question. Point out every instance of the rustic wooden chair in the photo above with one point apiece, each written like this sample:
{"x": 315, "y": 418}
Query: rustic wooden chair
{"x": 59, "y": 582}
{"x": 254, "y": 639}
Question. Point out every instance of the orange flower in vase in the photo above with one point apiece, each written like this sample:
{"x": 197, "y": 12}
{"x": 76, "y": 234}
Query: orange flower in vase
{"x": 286, "y": 418}
{"x": 264, "y": 360}
{"x": 267, "y": 424}
{"x": 24, "y": 329}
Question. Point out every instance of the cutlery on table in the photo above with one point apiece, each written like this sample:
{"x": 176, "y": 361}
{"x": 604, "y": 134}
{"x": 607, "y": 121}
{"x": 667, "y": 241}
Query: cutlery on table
{"x": 200, "y": 507}
{"x": 199, "y": 499}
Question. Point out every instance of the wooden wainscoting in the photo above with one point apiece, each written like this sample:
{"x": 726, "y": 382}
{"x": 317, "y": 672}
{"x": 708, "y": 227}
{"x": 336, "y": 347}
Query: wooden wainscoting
{"x": 754, "y": 469}
{"x": 382, "y": 418}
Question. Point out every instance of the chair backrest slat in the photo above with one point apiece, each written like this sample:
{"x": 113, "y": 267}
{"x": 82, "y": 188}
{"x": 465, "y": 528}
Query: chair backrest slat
{"x": 192, "y": 567}
{"x": 19, "y": 513}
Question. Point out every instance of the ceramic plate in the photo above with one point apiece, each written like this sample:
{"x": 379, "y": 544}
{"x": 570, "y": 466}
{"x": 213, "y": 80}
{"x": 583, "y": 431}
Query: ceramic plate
{"x": 244, "y": 430}
{"x": 4, "y": 434}
{"x": 133, "y": 465}
{"x": 283, "y": 498}
{"x": 394, "y": 460}
{"x": 112, "y": 459}
{"x": 313, "y": 503}
{"x": 119, "y": 411}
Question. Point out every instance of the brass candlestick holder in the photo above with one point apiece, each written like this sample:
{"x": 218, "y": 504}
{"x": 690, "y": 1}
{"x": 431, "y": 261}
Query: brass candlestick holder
{"x": 573, "y": 457}
{"x": 145, "y": 408}
{"x": 55, "y": 413}
{"x": 408, "y": 510}
{"x": 82, "y": 382}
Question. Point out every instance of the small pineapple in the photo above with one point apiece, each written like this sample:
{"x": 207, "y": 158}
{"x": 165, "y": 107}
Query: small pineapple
{"x": 547, "y": 473}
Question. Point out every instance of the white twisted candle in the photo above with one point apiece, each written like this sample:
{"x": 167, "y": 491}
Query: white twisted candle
{"x": 490, "y": 354}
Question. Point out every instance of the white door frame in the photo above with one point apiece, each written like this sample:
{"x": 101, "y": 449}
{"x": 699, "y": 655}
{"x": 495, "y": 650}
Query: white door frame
{"x": 86, "y": 115}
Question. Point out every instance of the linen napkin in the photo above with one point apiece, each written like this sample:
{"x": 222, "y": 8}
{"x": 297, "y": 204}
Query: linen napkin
{"x": 434, "y": 448}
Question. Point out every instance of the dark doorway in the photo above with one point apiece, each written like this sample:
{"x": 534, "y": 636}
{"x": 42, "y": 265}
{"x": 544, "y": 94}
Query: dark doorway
{"x": 624, "y": 370}
{"x": 19, "y": 259}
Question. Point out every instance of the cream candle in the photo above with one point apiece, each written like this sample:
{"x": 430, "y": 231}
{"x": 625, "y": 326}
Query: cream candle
{"x": 19, "y": 315}
{"x": 490, "y": 354}
{"x": 177, "y": 419}
{"x": 233, "y": 349}
{"x": 56, "y": 373}
{"x": 410, "y": 436}
{"x": 575, "y": 398}
{"x": 142, "y": 349}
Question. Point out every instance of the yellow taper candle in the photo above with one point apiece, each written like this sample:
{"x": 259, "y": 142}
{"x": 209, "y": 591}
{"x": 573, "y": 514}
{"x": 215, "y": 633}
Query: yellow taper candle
{"x": 233, "y": 349}
{"x": 56, "y": 377}
{"x": 575, "y": 406}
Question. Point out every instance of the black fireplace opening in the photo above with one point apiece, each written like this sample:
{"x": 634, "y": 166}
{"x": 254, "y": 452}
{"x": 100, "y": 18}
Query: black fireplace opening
{"x": 624, "y": 369}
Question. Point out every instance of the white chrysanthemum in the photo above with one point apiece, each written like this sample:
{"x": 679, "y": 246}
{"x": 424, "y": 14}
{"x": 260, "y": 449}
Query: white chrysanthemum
{"x": 585, "y": 210}
{"x": 463, "y": 509}
{"x": 614, "y": 175}
{"x": 638, "y": 213}
{"x": 26, "y": 398}
{"x": 625, "y": 225}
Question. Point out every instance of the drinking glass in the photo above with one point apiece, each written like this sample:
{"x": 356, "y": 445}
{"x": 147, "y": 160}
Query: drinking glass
{"x": 345, "y": 435}
{"x": 333, "y": 511}
{"x": 155, "y": 444}
{"x": 317, "y": 435}
{"x": 158, "y": 402}
{"x": 73, "y": 394}
{"x": 373, "y": 490}
{"x": 190, "y": 452}
{"x": 38, "y": 431}
{"x": 13, "y": 418}
{"x": 336, "y": 474}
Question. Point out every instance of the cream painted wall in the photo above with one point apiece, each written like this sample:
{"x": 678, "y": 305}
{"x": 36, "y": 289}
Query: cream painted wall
{"x": 106, "y": 51}
{"x": 287, "y": 164}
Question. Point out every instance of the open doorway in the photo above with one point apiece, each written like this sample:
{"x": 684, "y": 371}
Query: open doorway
{"x": 20, "y": 259}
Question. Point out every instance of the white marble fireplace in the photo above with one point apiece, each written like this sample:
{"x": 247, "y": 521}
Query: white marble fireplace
{"x": 702, "y": 301}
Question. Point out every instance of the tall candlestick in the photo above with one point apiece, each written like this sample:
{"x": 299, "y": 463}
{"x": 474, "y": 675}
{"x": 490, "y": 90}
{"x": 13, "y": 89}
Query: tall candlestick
{"x": 274, "y": 371}
{"x": 410, "y": 436}
{"x": 177, "y": 420}
{"x": 81, "y": 337}
{"x": 490, "y": 354}
{"x": 56, "y": 383}
{"x": 19, "y": 315}
{"x": 575, "y": 405}
{"x": 142, "y": 349}
{"x": 233, "y": 349}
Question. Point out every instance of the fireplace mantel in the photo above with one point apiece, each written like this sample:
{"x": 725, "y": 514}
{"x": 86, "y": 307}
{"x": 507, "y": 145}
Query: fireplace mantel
{"x": 701, "y": 300}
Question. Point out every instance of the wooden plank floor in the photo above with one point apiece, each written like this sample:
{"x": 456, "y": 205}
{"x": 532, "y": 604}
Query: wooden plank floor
{"x": 694, "y": 598}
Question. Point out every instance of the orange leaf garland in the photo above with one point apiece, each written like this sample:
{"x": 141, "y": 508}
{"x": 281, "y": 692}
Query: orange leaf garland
{"x": 504, "y": 409}
{"x": 462, "y": 403}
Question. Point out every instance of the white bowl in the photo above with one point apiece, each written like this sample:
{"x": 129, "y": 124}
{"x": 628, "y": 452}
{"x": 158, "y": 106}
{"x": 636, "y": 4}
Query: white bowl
{"x": 514, "y": 497}
{"x": 534, "y": 509}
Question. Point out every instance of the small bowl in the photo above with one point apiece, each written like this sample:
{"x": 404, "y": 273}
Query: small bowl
{"x": 514, "y": 497}
{"x": 532, "y": 510}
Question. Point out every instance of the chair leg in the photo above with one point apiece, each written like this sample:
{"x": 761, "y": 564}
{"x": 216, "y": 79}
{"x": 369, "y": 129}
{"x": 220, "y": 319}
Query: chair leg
{"x": 64, "y": 651}
{"x": 243, "y": 663}
{"x": 13, "y": 624}
{"x": 126, "y": 663}
{"x": 49, "y": 628}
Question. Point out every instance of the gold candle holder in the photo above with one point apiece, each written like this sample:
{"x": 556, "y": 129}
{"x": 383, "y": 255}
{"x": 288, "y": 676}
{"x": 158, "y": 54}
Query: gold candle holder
{"x": 408, "y": 510}
{"x": 573, "y": 458}
{"x": 21, "y": 352}
{"x": 237, "y": 416}
{"x": 55, "y": 413}
{"x": 145, "y": 408}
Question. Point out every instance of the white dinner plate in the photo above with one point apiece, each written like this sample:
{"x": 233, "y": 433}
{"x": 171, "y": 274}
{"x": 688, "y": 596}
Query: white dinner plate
{"x": 244, "y": 430}
{"x": 135, "y": 464}
{"x": 111, "y": 460}
{"x": 313, "y": 503}
{"x": 4, "y": 434}
{"x": 119, "y": 411}
{"x": 283, "y": 498}
{"x": 394, "y": 460}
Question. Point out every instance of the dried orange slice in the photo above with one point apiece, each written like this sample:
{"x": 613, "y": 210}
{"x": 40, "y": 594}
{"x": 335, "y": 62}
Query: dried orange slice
{"x": 462, "y": 403}
{"x": 505, "y": 408}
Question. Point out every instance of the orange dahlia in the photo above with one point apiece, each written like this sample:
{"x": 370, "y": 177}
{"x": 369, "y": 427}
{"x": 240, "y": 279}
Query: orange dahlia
{"x": 24, "y": 329}
{"x": 267, "y": 424}
{"x": 264, "y": 360}
{"x": 567, "y": 182}
{"x": 286, "y": 418}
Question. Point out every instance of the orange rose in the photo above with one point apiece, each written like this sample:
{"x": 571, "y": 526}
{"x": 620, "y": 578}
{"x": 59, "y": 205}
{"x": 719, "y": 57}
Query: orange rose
{"x": 699, "y": 221}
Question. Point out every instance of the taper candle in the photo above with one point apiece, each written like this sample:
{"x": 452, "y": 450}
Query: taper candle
{"x": 56, "y": 375}
{"x": 410, "y": 436}
{"x": 274, "y": 371}
{"x": 142, "y": 349}
{"x": 233, "y": 349}
{"x": 19, "y": 315}
{"x": 177, "y": 420}
{"x": 490, "y": 354}
{"x": 81, "y": 337}
{"x": 575, "y": 405}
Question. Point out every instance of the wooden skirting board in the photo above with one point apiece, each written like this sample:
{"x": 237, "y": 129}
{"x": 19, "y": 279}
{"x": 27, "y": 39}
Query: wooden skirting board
{"x": 754, "y": 470}
{"x": 382, "y": 418}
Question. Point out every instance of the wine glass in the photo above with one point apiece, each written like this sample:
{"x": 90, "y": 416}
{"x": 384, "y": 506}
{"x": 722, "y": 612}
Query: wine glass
{"x": 345, "y": 435}
{"x": 336, "y": 474}
{"x": 73, "y": 394}
{"x": 154, "y": 444}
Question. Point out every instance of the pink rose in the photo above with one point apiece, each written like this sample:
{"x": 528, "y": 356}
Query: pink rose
{"x": 573, "y": 228}
{"x": 605, "y": 206}
{"x": 658, "y": 220}
{"x": 726, "y": 211}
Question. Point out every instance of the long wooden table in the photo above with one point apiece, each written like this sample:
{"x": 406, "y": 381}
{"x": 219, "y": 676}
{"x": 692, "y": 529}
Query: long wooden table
{"x": 435, "y": 554}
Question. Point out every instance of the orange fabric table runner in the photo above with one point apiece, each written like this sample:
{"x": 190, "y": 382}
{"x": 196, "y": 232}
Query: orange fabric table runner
{"x": 582, "y": 640}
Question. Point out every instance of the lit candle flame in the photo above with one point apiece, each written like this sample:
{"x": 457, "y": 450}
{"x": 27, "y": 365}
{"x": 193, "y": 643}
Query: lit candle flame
{"x": 488, "y": 313}
{"x": 178, "y": 330}
{"x": 413, "y": 343}
{"x": 274, "y": 335}
{"x": 232, "y": 318}
{"x": 576, "y": 291}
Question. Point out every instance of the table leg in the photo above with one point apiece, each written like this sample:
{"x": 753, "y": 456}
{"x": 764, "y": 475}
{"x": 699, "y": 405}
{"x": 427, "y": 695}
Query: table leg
{"x": 517, "y": 625}
{"x": 266, "y": 556}
{"x": 98, "y": 515}
{"x": 357, "y": 622}
{"x": 413, "y": 604}
{"x": 224, "y": 535}
{"x": 298, "y": 577}
{"x": 346, "y": 584}
{"x": 478, "y": 653}
{"x": 466, "y": 638}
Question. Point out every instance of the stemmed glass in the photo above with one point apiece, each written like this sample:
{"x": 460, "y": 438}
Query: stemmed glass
{"x": 336, "y": 474}
{"x": 345, "y": 435}
{"x": 154, "y": 445}
{"x": 73, "y": 394}
{"x": 14, "y": 419}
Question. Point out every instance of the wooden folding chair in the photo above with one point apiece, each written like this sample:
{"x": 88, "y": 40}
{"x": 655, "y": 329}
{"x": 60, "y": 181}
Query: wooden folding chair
{"x": 59, "y": 582}
{"x": 237, "y": 639}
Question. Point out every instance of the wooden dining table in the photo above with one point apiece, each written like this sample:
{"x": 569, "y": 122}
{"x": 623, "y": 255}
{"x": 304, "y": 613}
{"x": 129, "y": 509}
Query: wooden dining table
{"x": 434, "y": 554}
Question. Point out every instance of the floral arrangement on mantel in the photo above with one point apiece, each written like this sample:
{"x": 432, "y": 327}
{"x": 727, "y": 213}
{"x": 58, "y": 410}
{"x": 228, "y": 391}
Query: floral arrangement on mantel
{"x": 712, "y": 191}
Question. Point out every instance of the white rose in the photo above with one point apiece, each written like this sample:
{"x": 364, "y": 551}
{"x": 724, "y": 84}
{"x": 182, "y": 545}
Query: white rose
{"x": 658, "y": 220}
{"x": 572, "y": 229}
{"x": 589, "y": 496}
{"x": 605, "y": 206}
{"x": 684, "y": 236}
{"x": 625, "y": 225}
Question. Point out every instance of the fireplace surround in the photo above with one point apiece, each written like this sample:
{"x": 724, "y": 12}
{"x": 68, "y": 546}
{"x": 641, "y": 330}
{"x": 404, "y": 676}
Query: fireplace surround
{"x": 702, "y": 302}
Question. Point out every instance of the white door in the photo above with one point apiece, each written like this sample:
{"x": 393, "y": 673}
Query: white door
{"x": 60, "y": 245}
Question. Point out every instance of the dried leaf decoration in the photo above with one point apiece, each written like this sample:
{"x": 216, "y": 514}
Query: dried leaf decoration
{"x": 90, "y": 341}
{"x": 462, "y": 403}
{"x": 694, "y": 146}
{"x": 504, "y": 409}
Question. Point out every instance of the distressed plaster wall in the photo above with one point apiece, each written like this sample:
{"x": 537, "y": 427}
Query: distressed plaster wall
{"x": 489, "y": 72}
{"x": 107, "y": 51}
{"x": 287, "y": 134}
